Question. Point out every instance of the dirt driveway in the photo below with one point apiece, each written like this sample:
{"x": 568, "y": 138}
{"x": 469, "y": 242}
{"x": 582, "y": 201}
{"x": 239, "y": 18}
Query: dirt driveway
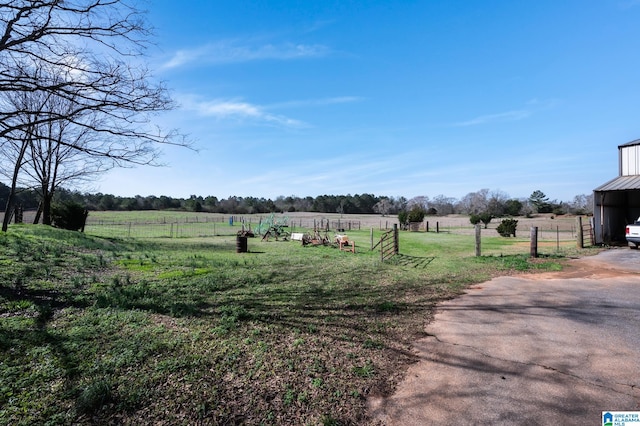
{"x": 538, "y": 349}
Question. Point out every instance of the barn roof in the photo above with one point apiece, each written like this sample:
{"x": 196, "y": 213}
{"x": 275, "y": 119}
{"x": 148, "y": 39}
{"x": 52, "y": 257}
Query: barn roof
{"x": 632, "y": 143}
{"x": 621, "y": 183}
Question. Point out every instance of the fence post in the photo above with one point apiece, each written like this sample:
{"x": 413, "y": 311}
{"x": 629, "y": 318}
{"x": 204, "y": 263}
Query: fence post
{"x": 371, "y": 238}
{"x": 437, "y": 227}
{"x": 478, "y": 232}
{"x": 427, "y": 227}
{"x": 579, "y": 233}
{"x": 396, "y": 240}
{"x": 534, "y": 242}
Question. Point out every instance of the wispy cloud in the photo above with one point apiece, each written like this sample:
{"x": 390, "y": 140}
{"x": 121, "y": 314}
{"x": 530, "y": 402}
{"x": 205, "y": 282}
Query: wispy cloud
{"x": 318, "y": 25}
{"x": 531, "y": 107}
{"x": 495, "y": 118}
{"x": 238, "y": 110}
{"x": 317, "y": 102}
{"x": 234, "y": 51}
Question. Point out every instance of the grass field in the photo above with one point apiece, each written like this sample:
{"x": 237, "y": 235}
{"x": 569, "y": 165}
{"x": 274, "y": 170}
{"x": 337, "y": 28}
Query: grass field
{"x": 179, "y": 224}
{"x": 186, "y": 331}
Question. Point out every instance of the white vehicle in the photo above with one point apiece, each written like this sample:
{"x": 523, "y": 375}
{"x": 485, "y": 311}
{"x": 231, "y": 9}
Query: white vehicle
{"x": 632, "y": 234}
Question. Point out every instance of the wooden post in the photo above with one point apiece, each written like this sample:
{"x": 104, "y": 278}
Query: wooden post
{"x": 579, "y": 233}
{"x": 534, "y": 242}
{"x": 371, "y": 238}
{"x": 478, "y": 232}
{"x": 437, "y": 227}
{"x": 396, "y": 242}
{"x": 427, "y": 226}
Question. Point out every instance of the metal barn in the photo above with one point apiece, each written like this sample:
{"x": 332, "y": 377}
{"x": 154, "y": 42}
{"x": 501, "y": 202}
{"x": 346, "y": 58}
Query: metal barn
{"x": 617, "y": 202}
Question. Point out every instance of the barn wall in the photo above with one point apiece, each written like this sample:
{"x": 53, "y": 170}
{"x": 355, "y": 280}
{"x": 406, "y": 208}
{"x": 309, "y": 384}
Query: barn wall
{"x": 630, "y": 160}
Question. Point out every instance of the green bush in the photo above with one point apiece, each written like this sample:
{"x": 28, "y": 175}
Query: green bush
{"x": 485, "y": 218}
{"x": 403, "y": 218}
{"x": 417, "y": 214}
{"x": 68, "y": 215}
{"x": 507, "y": 227}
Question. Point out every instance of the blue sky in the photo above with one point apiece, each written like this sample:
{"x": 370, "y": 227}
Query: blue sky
{"x": 393, "y": 98}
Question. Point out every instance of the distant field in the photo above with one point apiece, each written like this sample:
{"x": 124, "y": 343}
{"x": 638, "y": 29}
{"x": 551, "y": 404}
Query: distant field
{"x": 188, "y": 224}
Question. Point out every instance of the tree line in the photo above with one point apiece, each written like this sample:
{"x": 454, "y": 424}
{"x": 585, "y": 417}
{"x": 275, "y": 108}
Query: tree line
{"x": 484, "y": 201}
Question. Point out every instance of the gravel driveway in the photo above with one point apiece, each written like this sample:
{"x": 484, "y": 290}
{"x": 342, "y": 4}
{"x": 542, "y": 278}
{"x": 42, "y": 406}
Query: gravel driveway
{"x": 555, "y": 348}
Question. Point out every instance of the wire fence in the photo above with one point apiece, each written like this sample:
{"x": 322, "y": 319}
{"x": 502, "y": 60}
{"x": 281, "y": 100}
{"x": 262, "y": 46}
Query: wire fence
{"x": 191, "y": 229}
{"x": 161, "y": 224}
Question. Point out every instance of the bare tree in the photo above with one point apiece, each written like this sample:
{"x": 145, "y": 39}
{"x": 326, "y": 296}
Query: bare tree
{"x": 497, "y": 203}
{"x": 422, "y": 201}
{"x": 13, "y": 152}
{"x": 443, "y": 205}
{"x": 474, "y": 202}
{"x": 85, "y": 55}
{"x": 383, "y": 206}
{"x": 56, "y": 155}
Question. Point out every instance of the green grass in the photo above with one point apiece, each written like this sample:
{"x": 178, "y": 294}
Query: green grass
{"x": 186, "y": 331}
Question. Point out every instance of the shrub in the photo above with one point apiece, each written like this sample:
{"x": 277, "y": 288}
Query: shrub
{"x": 417, "y": 214}
{"x": 507, "y": 227}
{"x": 68, "y": 215}
{"x": 403, "y": 218}
{"x": 485, "y": 218}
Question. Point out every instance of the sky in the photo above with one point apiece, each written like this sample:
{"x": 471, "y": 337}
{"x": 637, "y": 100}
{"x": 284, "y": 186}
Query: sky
{"x": 392, "y": 98}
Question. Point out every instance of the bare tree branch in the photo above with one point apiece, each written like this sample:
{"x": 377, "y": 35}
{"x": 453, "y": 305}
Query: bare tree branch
{"x": 73, "y": 84}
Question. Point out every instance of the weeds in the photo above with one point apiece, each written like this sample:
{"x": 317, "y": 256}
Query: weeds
{"x": 94, "y": 396}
